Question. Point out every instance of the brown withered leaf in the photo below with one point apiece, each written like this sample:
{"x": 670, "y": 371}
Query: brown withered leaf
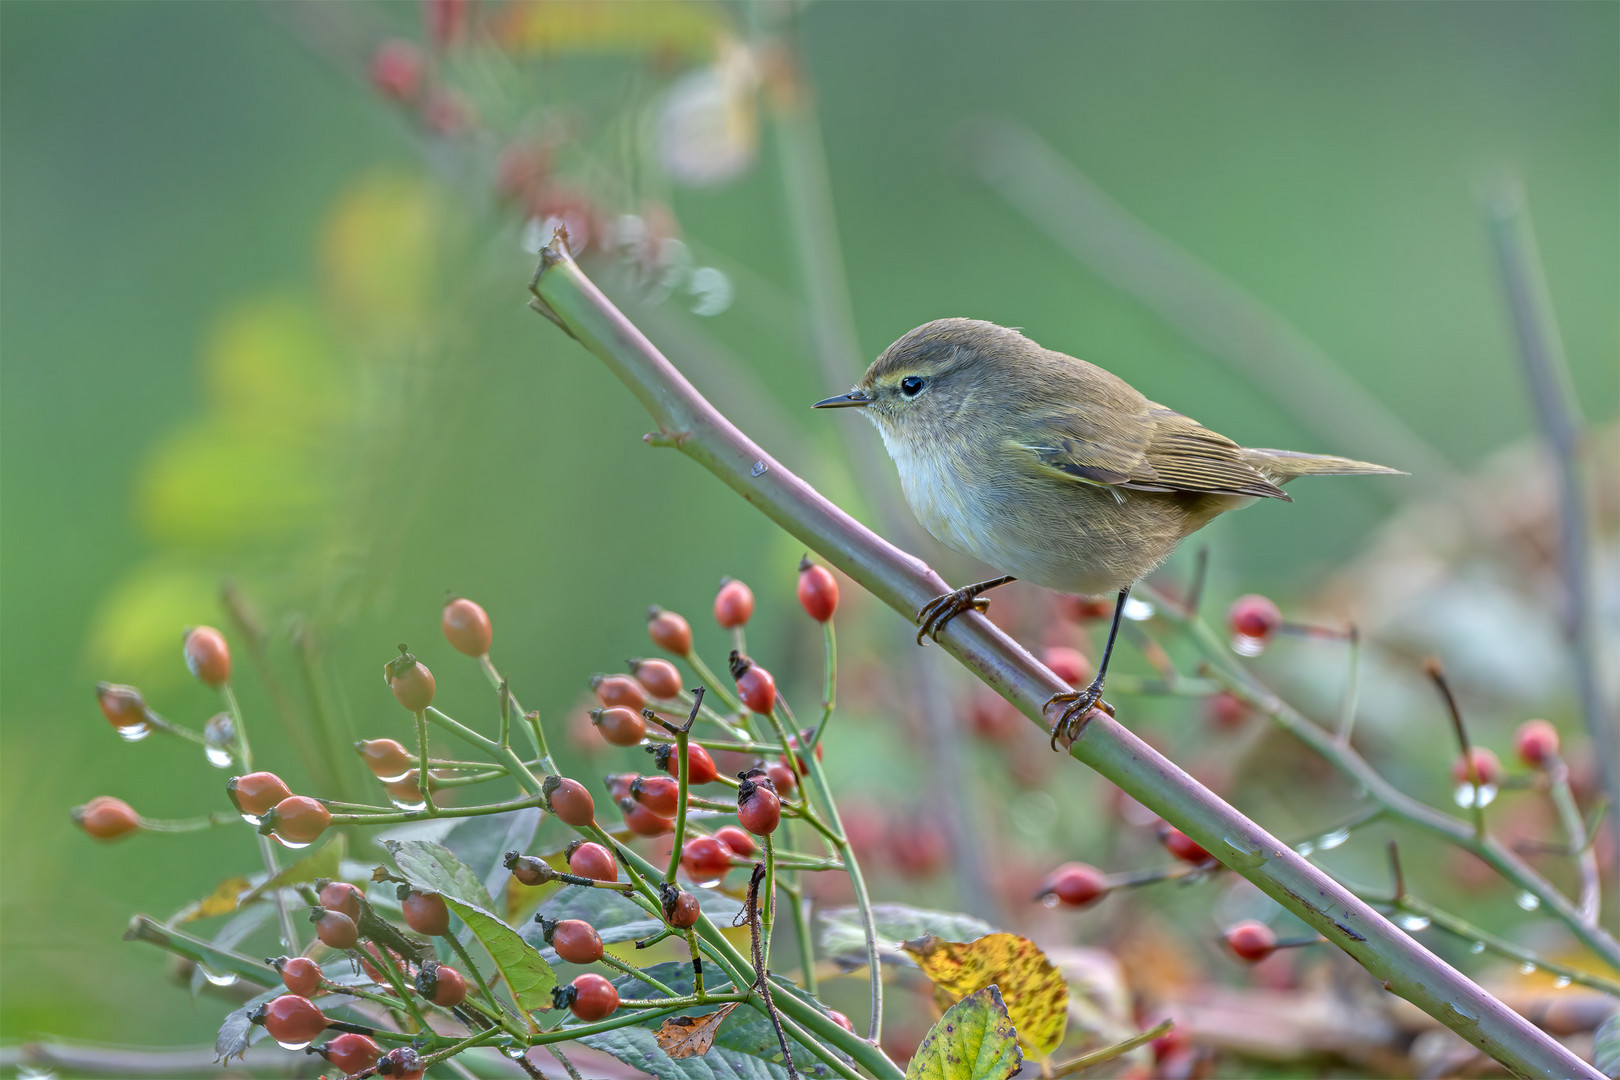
{"x": 1037, "y": 997}
{"x": 691, "y": 1036}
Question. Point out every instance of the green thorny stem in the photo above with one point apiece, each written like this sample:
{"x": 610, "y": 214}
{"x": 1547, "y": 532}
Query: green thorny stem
{"x": 686, "y": 421}
{"x": 683, "y": 770}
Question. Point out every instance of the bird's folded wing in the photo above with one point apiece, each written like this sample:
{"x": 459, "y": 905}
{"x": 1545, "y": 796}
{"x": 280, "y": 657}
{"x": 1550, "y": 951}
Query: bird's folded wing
{"x": 1155, "y": 449}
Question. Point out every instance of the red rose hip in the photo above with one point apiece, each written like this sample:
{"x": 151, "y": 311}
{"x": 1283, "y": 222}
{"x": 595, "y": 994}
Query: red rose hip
{"x": 1254, "y": 617}
{"x": 705, "y": 859}
{"x": 569, "y": 801}
{"x": 255, "y": 793}
{"x": 1536, "y": 743}
{"x": 738, "y": 841}
{"x": 658, "y": 677}
{"x": 106, "y": 818}
{"x": 592, "y": 997}
{"x": 592, "y": 860}
{"x": 410, "y": 680}
{"x": 302, "y": 976}
{"x": 818, "y": 590}
{"x": 660, "y": 794}
{"x": 1251, "y": 941}
{"x": 426, "y": 913}
{"x": 576, "y": 941}
{"x": 620, "y": 726}
{"x": 292, "y": 1021}
{"x": 466, "y": 627}
{"x": 669, "y": 631}
{"x": 300, "y": 820}
{"x": 208, "y": 658}
{"x": 352, "y": 1052}
{"x": 1076, "y": 884}
{"x": 620, "y": 691}
{"x": 758, "y": 808}
{"x": 733, "y": 604}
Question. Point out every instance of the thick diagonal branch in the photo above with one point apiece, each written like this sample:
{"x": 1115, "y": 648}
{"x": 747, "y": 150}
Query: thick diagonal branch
{"x": 564, "y": 294}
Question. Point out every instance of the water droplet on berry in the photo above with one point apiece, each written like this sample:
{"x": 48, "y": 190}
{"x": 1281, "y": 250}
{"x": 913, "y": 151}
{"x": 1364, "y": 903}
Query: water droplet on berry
{"x": 1244, "y": 645}
{"x": 394, "y": 779}
{"x": 293, "y": 845}
{"x": 135, "y": 732}
{"x": 1049, "y": 900}
{"x": 1477, "y": 947}
{"x": 1465, "y": 795}
{"x": 409, "y": 806}
{"x": 293, "y": 1045}
{"x": 1561, "y": 982}
{"x": 218, "y": 756}
{"x": 1527, "y": 968}
{"x": 1529, "y": 901}
{"x": 1413, "y": 923}
{"x": 708, "y": 883}
{"x": 1307, "y": 849}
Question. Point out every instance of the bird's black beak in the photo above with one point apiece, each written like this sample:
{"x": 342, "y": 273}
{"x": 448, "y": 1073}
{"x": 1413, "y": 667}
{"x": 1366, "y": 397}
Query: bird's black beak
{"x": 851, "y": 400}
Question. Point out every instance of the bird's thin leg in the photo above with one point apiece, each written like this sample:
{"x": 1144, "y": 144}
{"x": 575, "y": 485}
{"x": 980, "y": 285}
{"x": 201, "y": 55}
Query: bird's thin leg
{"x": 942, "y": 609}
{"x": 1073, "y": 720}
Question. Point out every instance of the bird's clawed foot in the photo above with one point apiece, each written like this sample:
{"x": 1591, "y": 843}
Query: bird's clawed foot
{"x": 942, "y": 609}
{"x": 1078, "y": 706}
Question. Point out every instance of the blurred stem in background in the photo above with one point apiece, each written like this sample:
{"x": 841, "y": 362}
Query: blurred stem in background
{"x": 813, "y": 226}
{"x": 1541, "y": 350}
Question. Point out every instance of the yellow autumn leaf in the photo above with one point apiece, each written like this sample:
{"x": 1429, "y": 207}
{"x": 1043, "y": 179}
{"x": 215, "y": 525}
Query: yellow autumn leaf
{"x": 1037, "y": 997}
{"x": 221, "y": 901}
{"x": 572, "y": 26}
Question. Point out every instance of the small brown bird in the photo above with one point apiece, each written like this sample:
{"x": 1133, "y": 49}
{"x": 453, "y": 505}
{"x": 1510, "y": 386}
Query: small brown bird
{"x": 1053, "y": 469}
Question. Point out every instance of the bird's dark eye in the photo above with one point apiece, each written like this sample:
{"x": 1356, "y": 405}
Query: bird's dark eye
{"x": 911, "y": 386}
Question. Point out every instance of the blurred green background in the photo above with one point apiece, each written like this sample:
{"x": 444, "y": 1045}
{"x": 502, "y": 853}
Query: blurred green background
{"x": 255, "y": 324}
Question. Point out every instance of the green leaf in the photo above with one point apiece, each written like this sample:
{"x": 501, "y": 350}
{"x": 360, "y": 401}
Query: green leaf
{"x": 325, "y": 863}
{"x": 482, "y": 843}
{"x": 844, "y": 940}
{"x": 974, "y": 1040}
{"x": 1606, "y": 1046}
{"x": 745, "y": 1047}
{"x": 435, "y": 868}
{"x": 526, "y": 972}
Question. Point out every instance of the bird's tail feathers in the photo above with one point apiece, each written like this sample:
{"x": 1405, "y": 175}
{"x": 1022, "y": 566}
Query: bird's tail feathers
{"x": 1284, "y": 465}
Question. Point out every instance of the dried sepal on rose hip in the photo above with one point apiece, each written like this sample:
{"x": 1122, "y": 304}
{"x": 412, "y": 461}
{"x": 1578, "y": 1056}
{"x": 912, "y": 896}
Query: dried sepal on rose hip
{"x": 466, "y": 626}
{"x": 700, "y": 767}
{"x": 681, "y": 908}
{"x": 568, "y": 801}
{"x": 529, "y": 870}
{"x": 733, "y": 604}
{"x": 669, "y": 631}
{"x": 401, "y": 1063}
{"x": 575, "y": 940}
{"x": 660, "y": 794}
{"x": 1075, "y": 884}
{"x": 410, "y": 680}
{"x": 755, "y": 685}
{"x": 589, "y": 997}
{"x": 441, "y": 984}
{"x": 759, "y": 810}
{"x": 106, "y": 818}
{"x": 208, "y": 658}
{"x": 818, "y": 590}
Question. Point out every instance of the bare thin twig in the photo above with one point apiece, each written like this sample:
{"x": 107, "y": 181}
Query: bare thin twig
{"x": 762, "y": 973}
